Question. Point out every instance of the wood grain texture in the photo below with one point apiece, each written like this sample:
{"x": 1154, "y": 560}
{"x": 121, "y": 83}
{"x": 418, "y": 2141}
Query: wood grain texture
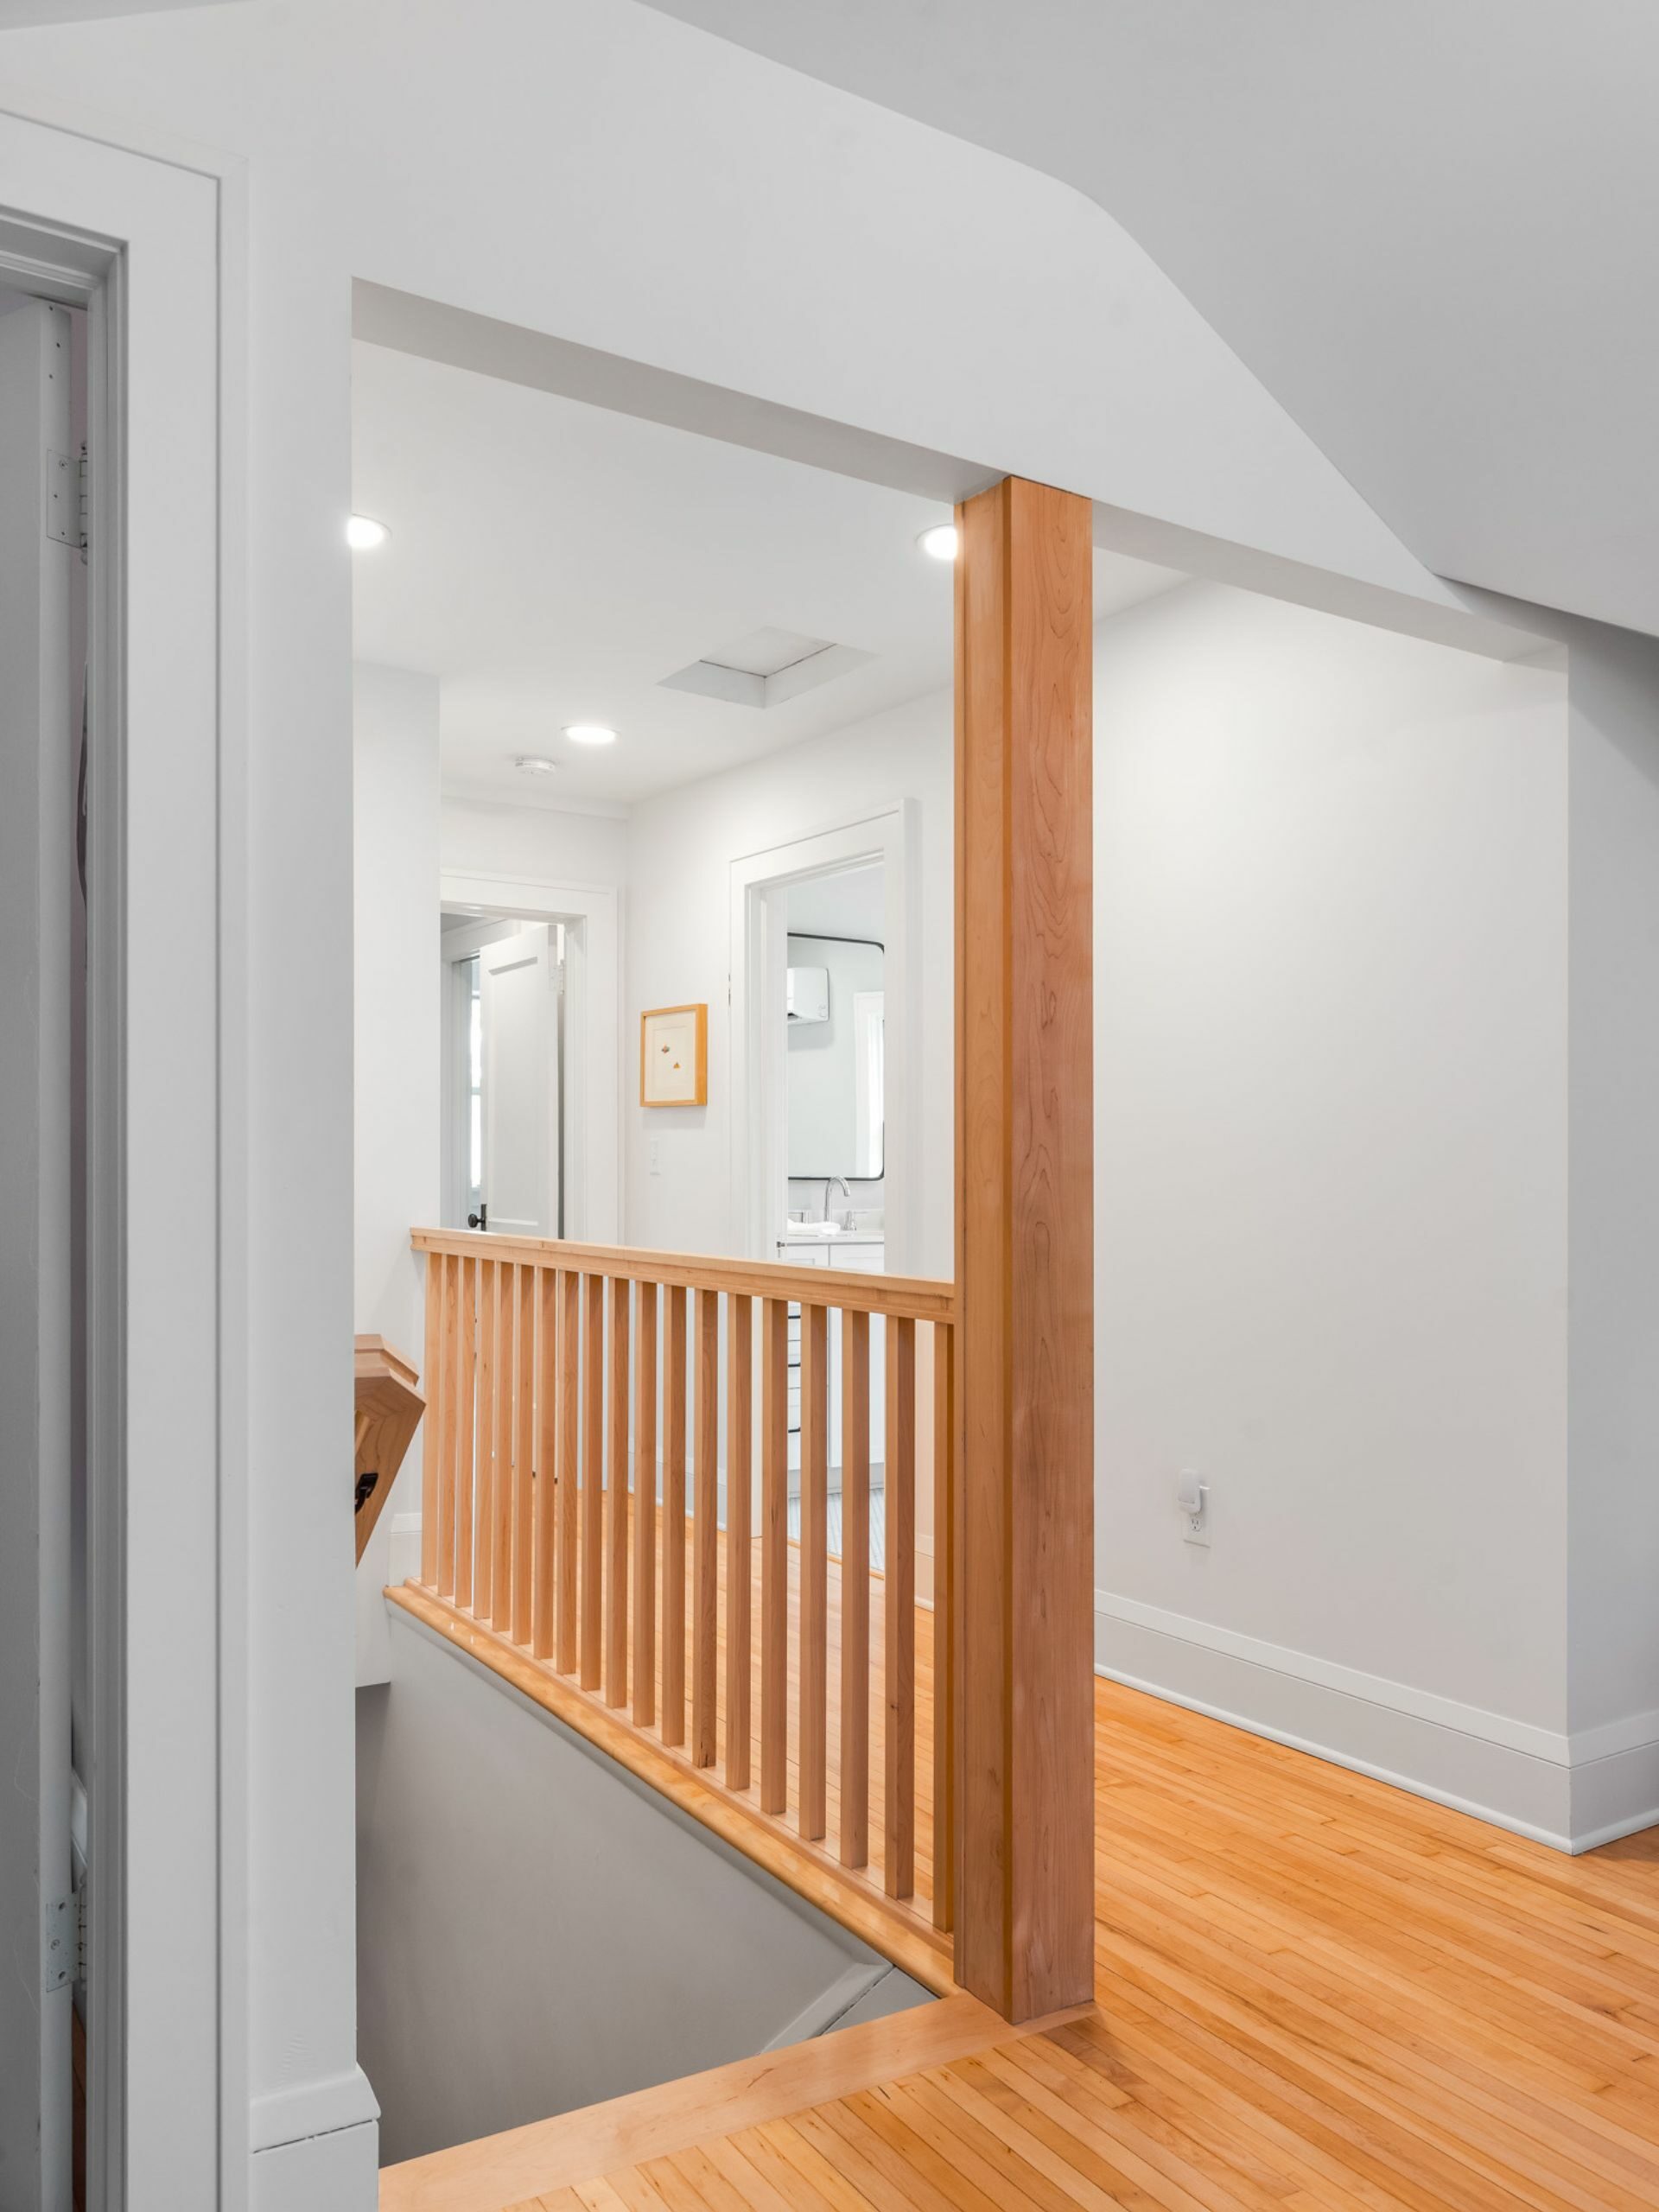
{"x": 566, "y": 1631}
{"x": 855, "y": 1590}
{"x": 899, "y": 1589}
{"x": 483, "y": 1491}
{"x": 739, "y": 1474}
{"x": 645, "y": 1504}
{"x": 582, "y": 2146}
{"x": 924, "y": 1298}
{"x": 506, "y": 1334}
{"x": 672, "y": 1721}
{"x": 616, "y": 1504}
{"x": 524, "y": 1458}
{"x": 448, "y": 1389}
{"x": 592, "y": 1568}
{"x": 430, "y": 1458}
{"x": 815, "y": 1566}
{"x": 465, "y": 1429}
{"x": 1314, "y": 1993}
{"x": 945, "y": 1549}
{"x": 389, "y": 1408}
{"x": 774, "y": 1553}
{"x": 546, "y": 1369}
{"x": 705, "y": 1534}
{"x": 1025, "y": 1264}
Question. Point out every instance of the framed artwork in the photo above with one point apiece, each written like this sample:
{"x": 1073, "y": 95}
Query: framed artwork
{"x": 674, "y": 1056}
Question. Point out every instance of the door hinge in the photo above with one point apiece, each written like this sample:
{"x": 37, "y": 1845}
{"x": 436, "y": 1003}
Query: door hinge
{"x": 68, "y": 504}
{"x": 85, "y": 505}
{"x": 60, "y": 1948}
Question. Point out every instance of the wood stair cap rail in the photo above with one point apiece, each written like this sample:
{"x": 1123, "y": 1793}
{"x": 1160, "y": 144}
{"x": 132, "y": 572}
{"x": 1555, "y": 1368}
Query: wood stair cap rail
{"x": 389, "y": 1409}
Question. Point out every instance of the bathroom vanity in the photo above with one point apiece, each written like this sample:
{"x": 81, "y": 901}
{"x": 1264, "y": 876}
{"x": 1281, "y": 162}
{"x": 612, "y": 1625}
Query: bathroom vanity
{"x": 815, "y": 1244}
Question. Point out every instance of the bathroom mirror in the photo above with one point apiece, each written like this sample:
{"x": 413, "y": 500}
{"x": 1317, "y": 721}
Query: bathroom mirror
{"x": 836, "y": 1076}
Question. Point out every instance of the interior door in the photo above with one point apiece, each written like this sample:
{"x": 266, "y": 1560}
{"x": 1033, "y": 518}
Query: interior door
{"x": 39, "y": 533}
{"x": 518, "y": 1011}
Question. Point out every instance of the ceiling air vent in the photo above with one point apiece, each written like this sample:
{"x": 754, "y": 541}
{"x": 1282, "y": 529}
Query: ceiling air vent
{"x": 766, "y": 668}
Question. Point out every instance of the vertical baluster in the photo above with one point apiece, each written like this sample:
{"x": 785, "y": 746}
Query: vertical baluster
{"x": 774, "y": 1556}
{"x": 739, "y": 1420}
{"x": 569, "y": 1295}
{"x": 899, "y": 1867}
{"x": 501, "y": 1542}
{"x": 429, "y": 1455}
{"x": 855, "y": 1589}
{"x": 546, "y": 1488}
{"x": 705, "y": 1534}
{"x": 644, "y": 1506}
{"x": 593, "y": 1482}
{"x": 523, "y": 1453}
{"x": 815, "y": 1566}
{"x": 673, "y": 1723}
{"x": 616, "y": 1644}
{"x": 944, "y": 1574}
{"x": 466, "y": 1432}
{"x": 484, "y": 1511}
{"x": 447, "y": 1387}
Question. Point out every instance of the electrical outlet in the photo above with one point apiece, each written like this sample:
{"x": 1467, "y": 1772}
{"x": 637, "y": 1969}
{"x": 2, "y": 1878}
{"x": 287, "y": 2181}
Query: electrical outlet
{"x": 656, "y": 1155}
{"x": 1192, "y": 1498}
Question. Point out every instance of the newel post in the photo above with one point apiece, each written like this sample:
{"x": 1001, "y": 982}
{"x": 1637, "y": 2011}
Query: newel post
{"x": 1025, "y": 1222}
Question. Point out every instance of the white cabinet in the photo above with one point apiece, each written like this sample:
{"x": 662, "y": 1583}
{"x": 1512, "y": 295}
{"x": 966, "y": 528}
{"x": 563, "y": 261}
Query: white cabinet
{"x": 844, "y": 1255}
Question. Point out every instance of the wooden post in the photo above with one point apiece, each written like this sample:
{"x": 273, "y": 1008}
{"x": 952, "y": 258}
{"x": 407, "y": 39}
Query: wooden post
{"x": 1023, "y": 1626}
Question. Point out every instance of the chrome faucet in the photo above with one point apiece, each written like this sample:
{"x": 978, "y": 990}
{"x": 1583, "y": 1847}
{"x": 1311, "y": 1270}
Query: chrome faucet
{"x": 829, "y": 1183}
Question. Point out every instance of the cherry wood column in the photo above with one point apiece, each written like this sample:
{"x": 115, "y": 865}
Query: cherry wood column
{"x": 1025, "y": 1258}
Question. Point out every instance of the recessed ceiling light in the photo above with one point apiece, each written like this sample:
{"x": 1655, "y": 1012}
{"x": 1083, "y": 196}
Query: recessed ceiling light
{"x": 940, "y": 541}
{"x": 589, "y": 733}
{"x": 537, "y": 764}
{"x": 363, "y": 533}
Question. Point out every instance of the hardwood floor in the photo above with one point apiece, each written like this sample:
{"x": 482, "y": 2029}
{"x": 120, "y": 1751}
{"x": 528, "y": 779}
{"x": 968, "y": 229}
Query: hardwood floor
{"x": 1312, "y": 1990}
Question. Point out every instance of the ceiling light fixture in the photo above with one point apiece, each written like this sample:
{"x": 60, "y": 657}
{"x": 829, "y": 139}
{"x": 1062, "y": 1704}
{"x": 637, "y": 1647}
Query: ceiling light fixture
{"x": 589, "y": 733}
{"x": 363, "y": 533}
{"x": 940, "y": 541}
{"x": 537, "y": 764}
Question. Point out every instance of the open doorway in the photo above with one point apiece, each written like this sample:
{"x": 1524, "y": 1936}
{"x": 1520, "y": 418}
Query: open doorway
{"x": 502, "y": 982}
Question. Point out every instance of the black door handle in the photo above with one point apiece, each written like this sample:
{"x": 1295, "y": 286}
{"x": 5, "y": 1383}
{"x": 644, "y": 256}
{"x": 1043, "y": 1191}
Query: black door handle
{"x": 481, "y": 1218}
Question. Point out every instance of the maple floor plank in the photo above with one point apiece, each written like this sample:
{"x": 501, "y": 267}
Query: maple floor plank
{"x": 1314, "y": 1993}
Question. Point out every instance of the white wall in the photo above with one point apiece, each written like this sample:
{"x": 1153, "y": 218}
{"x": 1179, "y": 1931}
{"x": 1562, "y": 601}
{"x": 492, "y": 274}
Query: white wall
{"x": 681, "y": 846}
{"x": 534, "y": 843}
{"x": 1613, "y": 1540}
{"x": 1331, "y": 1185}
{"x": 396, "y": 1062}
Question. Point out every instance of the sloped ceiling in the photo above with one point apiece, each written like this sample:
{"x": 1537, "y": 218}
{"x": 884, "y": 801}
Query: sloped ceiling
{"x": 1431, "y": 227}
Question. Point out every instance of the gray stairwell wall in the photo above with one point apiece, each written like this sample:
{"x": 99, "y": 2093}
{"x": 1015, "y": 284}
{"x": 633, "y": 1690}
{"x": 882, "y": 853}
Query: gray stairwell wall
{"x": 537, "y": 1930}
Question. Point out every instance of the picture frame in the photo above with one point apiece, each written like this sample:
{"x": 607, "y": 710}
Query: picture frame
{"x": 674, "y": 1056}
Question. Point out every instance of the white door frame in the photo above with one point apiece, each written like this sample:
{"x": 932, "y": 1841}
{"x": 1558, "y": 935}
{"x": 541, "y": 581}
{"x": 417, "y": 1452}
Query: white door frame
{"x": 758, "y": 1072}
{"x": 153, "y": 248}
{"x": 593, "y": 1005}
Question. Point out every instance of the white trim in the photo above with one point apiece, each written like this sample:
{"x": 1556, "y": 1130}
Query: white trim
{"x": 1308, "y": 1667}
{"x": 166, "y": 2104}
{"x": 592, "y": 1146}
{"x": 1571, "y": 1792}
{"x": 757, "y": 1069}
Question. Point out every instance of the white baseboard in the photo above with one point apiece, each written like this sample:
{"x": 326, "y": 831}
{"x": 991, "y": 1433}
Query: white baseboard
{"x": 316, "y": 2147}
{"x": 1570, "y": 1792}
{"x": 337, "y": 2172}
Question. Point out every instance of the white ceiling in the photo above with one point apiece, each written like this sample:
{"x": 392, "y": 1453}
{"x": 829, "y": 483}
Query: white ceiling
{"x": 552, "y": 562}
{"x": 1428, "y": 227}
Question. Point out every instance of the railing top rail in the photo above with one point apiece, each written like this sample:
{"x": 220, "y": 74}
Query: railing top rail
{"x": 917, "y": 1298}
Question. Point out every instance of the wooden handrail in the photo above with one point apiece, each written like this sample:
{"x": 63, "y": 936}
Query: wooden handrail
{"x": 598, "y": 1426}
{"x": 914, "y": 1298}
